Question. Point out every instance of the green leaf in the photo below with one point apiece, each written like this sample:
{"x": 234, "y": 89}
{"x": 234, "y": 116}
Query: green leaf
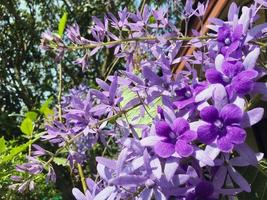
{"x": 32, "y": 115}
{"x": 257, "y": 176}
{"x": 62, "y": 24}
{"x": 60, "y": 161}
{"x": 2, "y": 144}
{"x": 151, "y": 109}
{"x": 45, "y": 107}
{"x": 26, "y": 126}
{"x": 14, "y": 151}
{"x": 152, "y": 19}
{"x": 127, "y": 96}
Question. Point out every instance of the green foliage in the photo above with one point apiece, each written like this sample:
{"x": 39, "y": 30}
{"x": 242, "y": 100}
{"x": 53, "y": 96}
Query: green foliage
{"x": 31, "y": 115}
{"x": 45, "y": 108}
{"x": 257, "y": 177}
{"x": 62, "y": 24}
{"x": 14, "y": 151}
{"x": 150, "y": 110}
{"x": 42, "y": 191}
{"x": 27, "y": 126}
{"x": 28, "y": 77}
{"x": 60, "y": 161}
{"x": 2, "y": 145}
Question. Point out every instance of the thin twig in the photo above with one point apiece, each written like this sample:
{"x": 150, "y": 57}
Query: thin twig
{"x": 140, "y": 39}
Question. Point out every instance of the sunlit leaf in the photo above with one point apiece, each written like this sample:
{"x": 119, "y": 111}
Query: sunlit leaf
{"x": 26, "y": 126}
{"x": 2, "y": 144}
{"x": 32, "y": 115}
{"x": 45, "y": 108}
{"x": 60, "y": 161}
{"x": 62, "y": 24}
{"x": 14, "y": 151}
{"x": 151, "y": 110}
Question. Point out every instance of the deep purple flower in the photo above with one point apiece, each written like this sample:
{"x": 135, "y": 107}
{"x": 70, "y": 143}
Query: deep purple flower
{"x": 174, "y": 139}
{"x": 238, "y": 77}
{"x": 203, "y": 191}
{"x": 229, "y": 40}
{"x": 223, "y": 126}
{"x": 186, "y": 95}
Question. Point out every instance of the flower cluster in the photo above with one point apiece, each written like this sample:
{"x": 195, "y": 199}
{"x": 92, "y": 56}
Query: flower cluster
{"x": 178, "y": 135}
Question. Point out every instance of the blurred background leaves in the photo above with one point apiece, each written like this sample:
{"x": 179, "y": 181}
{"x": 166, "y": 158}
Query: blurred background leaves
{"x": 29, "y": 79}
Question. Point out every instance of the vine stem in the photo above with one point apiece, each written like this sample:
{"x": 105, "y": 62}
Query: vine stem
{"x": 143, "y": 6}
{"x": 80, "y": 170}
{"x": 59, "y": 91}
{"x": 139, "y": 39}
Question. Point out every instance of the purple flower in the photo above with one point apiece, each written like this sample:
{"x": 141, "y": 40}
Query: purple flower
{"x": 203, "y": 191}
{"x": 174, "y": 139}
{"x": 225, "y": 167}
{"x": 223, "y": 126}
{"x": 34, "y": 166}
{"x": 109, "y": 98}
{"x": 90, "y": 193}
{"x": 83, "y": 62}
{"x": 238, "y": 78}
{"x": 73, "y": 33}
{"x": 229, "y": 39}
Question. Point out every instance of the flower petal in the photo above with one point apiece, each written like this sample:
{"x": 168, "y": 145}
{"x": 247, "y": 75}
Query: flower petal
{"x": 189, "y": 136}
{"x": 220, "y": 97}
{"x": 113, "y": 88}
{"x": 238, "y": 32}
{"x": 162, "y": 128}
{"x": 156, "y": 167}
{"x": 252, "y": 117}
{"x": 207, "y": 133}
{"x": 183, "y": 148}
{"x": 164, "y": 149}
{"x": 78, "y": 194}
{"x": 214, "y": 76}
{"x": 224, "y": 144}
{"x": 236, "y": 134}
{"x": 219, "y": 177}
{"x": 204, "y": 189}
{"x": 105, "y": 193}
{"x": 218, "y": 62}
{"x": 239, "y": 179}
{"x": 247, "y": 153}
{"x": 243, "y": 83}
{"x": 183, "y": 103}
{"x": 129, "y": 180}
{"x": 209, "y": 114}
{"x": 230, "y": 69}
{"x": 180, "y": 125}
{"x": 150, "y": 140}
{"x": 170, "y": 167}
{"x": 251, "y": 58}
{"x": 231, "y": 113}
{"x": 203, "y": 158}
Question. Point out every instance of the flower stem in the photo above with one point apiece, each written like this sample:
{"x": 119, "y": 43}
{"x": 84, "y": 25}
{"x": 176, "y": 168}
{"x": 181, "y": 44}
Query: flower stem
{"x": 81, "y": 174}
{"x": 139, "y": 39}
{"x": 59, "y": 91}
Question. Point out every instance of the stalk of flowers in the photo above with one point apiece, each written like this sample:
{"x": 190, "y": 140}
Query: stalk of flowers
{"x": 178, "y": 136}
